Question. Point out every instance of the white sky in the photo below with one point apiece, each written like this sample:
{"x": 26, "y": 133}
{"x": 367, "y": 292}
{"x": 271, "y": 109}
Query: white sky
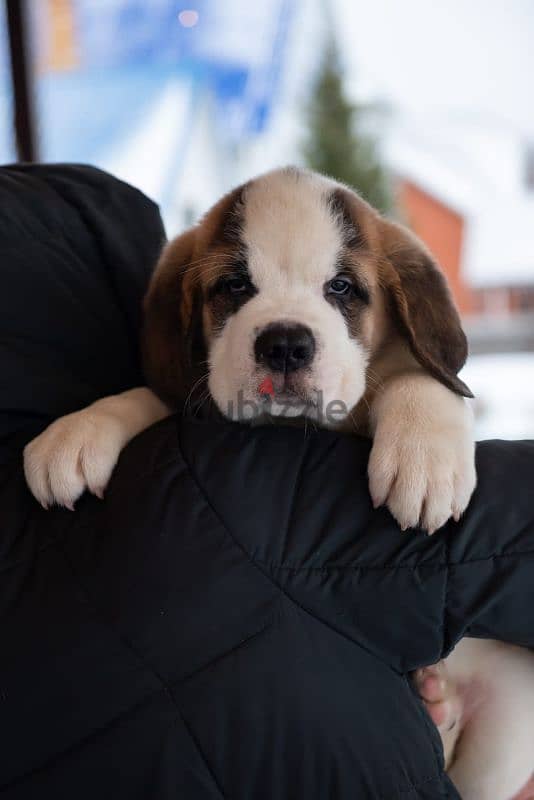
{"x": 461, "y": 57}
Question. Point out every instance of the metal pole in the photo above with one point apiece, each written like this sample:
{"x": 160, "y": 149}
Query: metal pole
{"x": 21, "y": 80}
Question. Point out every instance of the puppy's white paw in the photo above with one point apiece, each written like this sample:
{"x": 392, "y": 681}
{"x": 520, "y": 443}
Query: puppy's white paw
{"x": 77, "y": 452}
{"x": 422, "y": 463}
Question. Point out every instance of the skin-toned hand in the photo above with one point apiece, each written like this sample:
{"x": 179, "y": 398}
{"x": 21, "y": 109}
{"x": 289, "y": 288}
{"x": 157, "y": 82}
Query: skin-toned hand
{"x": 527, "y": 793}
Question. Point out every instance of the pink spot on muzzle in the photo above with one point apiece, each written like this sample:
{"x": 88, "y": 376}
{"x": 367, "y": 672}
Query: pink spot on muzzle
{"x": 266, "y": 387}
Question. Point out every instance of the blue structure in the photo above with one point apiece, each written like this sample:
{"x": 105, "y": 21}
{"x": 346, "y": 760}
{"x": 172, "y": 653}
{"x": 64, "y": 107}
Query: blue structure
{"x": 130, "y": 49}
{"x": 132, "y": 56}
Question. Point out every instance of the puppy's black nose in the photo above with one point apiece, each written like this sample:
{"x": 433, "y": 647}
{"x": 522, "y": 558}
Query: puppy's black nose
{"x": 285, "y": 347}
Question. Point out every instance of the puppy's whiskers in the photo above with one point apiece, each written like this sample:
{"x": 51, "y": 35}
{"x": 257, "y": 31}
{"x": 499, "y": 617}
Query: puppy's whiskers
{"x": 188, "y": 401}
{"x": 213, "y": 261}
{"x": 209, "y": 259}
{"x": 206, "y": 396}
{"x": 374, "y": 379}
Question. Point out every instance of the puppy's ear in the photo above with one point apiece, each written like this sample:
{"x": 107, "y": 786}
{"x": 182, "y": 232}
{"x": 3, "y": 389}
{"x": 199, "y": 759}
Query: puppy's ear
{"x": 173, "y": 339}
{"x": 423, "y": 305}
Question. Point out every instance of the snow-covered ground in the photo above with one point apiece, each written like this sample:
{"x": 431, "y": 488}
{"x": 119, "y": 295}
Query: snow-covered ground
{"x": 503, "y": 386}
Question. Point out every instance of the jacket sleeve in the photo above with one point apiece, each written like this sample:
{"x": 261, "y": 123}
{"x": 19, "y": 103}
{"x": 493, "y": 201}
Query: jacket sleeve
{"x": 78, "y": 247}
{"x": 299, "y": 506}
{"x": 490, "y": 554}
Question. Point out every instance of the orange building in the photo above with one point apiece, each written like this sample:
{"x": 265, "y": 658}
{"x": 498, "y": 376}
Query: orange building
{"x": 466, "y": 188}
{"x": 442, "y": 230}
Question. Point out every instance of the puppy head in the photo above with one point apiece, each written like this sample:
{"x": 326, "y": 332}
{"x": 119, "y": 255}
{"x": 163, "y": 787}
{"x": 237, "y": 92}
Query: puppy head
{"x": 276, "y": 303}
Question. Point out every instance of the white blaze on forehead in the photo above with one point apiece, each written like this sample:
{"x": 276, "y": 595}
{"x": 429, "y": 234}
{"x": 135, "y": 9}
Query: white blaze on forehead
{"x": 289, "y": 230}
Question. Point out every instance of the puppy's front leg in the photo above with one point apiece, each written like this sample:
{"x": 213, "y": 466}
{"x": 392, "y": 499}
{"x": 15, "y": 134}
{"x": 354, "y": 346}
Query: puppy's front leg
{"x": 422, "y": 462}
{"x": 79, "y": 451}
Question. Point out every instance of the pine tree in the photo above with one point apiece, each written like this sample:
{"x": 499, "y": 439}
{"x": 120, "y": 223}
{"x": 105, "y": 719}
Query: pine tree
{"x": 337, "y": 143}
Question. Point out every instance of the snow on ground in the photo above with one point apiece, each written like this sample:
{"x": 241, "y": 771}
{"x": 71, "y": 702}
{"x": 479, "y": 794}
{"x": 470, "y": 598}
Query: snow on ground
{"x": 503, "y": 386}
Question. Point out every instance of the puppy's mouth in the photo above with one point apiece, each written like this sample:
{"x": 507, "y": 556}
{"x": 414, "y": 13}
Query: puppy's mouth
{"x": 281, "y": 388}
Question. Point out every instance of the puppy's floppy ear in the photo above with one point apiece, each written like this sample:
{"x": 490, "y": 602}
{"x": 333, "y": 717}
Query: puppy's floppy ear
{"x": 173, "y": 340}
{"x": 424, "y": 307}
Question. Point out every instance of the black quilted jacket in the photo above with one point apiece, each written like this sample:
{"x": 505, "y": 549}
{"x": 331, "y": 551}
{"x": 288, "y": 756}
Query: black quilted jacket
{"x": 233, "y": 620}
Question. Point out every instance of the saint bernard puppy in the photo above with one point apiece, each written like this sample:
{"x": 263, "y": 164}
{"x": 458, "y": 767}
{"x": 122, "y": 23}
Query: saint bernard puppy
{"x": 294, "y": 299}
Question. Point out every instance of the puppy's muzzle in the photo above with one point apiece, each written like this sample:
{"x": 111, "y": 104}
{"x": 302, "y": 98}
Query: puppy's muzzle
{"x": 285, "y": 347}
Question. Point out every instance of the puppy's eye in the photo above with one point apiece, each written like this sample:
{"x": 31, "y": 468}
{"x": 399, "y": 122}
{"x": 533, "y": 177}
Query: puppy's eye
{"x": 339, "y": 286}
{"x": 237, "y": 285}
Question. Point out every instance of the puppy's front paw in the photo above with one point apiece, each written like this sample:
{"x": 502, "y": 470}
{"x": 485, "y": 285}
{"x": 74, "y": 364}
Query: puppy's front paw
{"x": 422, "y": 464}
{"x": 77, "y": 452}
